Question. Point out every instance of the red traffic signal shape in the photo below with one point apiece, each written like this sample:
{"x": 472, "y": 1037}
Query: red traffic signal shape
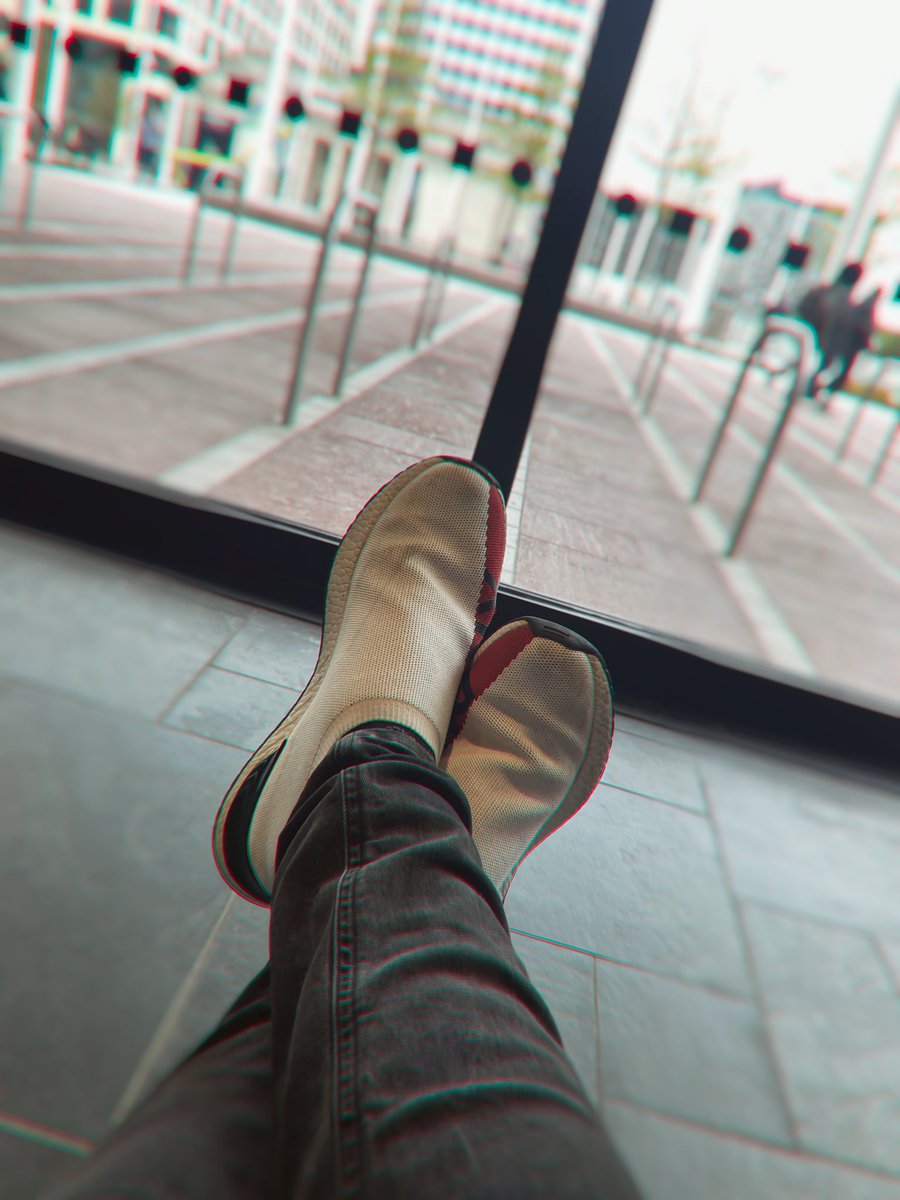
{"x": 238, "y": 92}
{"x": 293, "y": 108}
{"x": 19, "y": 33}
{"x": 350, "y": 123}
{"x": 127, "y": 62}
{"x": 464, "y": 156}
{"x": 681, "y": 222}
{"x": 739, "y": 240}
{"x": 795, "y": 256}
{"x": 520, "y": 173}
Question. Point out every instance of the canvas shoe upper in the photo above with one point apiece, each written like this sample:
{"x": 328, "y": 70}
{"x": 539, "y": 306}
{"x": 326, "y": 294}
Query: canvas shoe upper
{"x": 530, "y": 737}
{"x": 411, "y": 593}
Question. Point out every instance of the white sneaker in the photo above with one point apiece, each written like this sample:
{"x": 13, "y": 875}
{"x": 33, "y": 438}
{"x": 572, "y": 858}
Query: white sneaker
{"x": 411, "y": 594}
{"x": 529, "y": 739}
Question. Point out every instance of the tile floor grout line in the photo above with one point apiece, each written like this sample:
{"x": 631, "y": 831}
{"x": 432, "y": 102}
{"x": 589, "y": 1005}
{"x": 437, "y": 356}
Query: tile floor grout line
{"x": 721, "y": 993}
{"x": 598, "y": 1040}
{"x": 285, "y": 687}
{"x": 148, "y": 1060}
{"x": 160, "y": 717}
{"x": 770, "y": 906}
{"x": 797, "y": 1153}
{"x": 778, "y": 642}
{"x": 751, "y": 966}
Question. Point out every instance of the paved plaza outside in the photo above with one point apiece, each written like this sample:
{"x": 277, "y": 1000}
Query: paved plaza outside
{"x": 716, "y": 932}
{"x": 106, "y": 357}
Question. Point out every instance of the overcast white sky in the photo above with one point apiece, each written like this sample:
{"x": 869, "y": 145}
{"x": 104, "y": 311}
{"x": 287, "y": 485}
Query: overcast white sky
{"x": 803, "y": 86}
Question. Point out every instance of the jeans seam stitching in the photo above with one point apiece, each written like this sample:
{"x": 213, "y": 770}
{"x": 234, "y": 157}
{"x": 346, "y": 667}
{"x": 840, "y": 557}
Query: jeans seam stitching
{"x": 346, "y": 1101}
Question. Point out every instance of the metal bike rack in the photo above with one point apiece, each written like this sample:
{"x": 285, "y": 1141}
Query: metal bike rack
{"x": 371, "y": 205}
{"x": 31, "y": 160}
{"x": 857, "y": 415}
{"x": 880, "y": 462}
{"x": 802, "y": 337}
{"x": 236, "y": 174}
{"x": 307, "y": 329}
{"x": 435, "y": 286}
{"x": 657, "y": 354}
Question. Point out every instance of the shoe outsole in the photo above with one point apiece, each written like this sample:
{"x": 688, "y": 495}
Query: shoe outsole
{"x": 336, "y": 599}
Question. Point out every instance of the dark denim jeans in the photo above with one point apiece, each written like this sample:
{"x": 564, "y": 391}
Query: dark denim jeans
{"x": 395, "y": 1046}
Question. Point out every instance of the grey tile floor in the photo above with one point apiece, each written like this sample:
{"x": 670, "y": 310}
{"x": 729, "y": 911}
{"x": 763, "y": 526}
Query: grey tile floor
{"x": 718, "y": 931}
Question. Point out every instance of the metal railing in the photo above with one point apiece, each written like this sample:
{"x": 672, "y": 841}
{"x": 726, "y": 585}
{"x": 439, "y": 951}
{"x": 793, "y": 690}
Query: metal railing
{"x": 34, "y": 121}
{"x": 307, "y": 330}
{"x": 656, "y": 354}
{"x": 855, "y": 420}
{"x": 800, "y": 334}
{"x": 435, "y": 287}
{"x": 211, "y": 179}
{"x": 881, "y": 459}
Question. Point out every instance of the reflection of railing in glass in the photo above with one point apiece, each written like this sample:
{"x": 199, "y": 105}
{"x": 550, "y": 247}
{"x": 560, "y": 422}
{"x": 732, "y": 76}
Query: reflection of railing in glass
{"x": 801, "y": 336}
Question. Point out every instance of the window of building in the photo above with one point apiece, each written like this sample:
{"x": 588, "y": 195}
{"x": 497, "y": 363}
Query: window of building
{"x": 121, "y": 11}
{"x": 167, "y": 23}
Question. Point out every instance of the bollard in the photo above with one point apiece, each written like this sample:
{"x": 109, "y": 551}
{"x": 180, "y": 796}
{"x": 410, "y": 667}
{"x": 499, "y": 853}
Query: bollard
{"x": 236, "y": 174}
{"x": 304, "y": 341}
{"x": 441, "y": 286}
{"x": 353, "y": 323}
{"x": 190, "y": 250}
{"x": 883, "y": 456}
{"x": 440, "y": 265}
{"x": 802, "y": 337}
{"x": 859, "y": 412}
{"x": 660, "y": 346}
{"x": 32, "y": 161}
{"x": 227, "y": 263}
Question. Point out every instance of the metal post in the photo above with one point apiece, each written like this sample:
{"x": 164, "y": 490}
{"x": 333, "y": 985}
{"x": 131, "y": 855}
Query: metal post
{"x": 857, "y": 416}
{"x": 353, "y": 323}
{"x": 225, "y": 267}
{"x": 440, "y": 286}
{"x": 32, "y": 160}
{"x": 802, "y": 337}
{"x": 763, "y": 469}
{"x": 850, "y": 429}
{"x": 730, "y": 405}
{"x": 190, "y": 250}
{"x": 661, "y": 347}
{"x": 883, "y": 455}
{"x": 419, "y": 332}
{"x": 304, "y": 342}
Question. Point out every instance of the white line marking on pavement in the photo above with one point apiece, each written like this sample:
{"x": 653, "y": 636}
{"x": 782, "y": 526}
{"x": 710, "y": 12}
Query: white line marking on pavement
{"x": 216, "y": 464}
{"x": 156, "y": 285}
{"x": 63, "y": 362}
{"x": 778, "y": 641}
